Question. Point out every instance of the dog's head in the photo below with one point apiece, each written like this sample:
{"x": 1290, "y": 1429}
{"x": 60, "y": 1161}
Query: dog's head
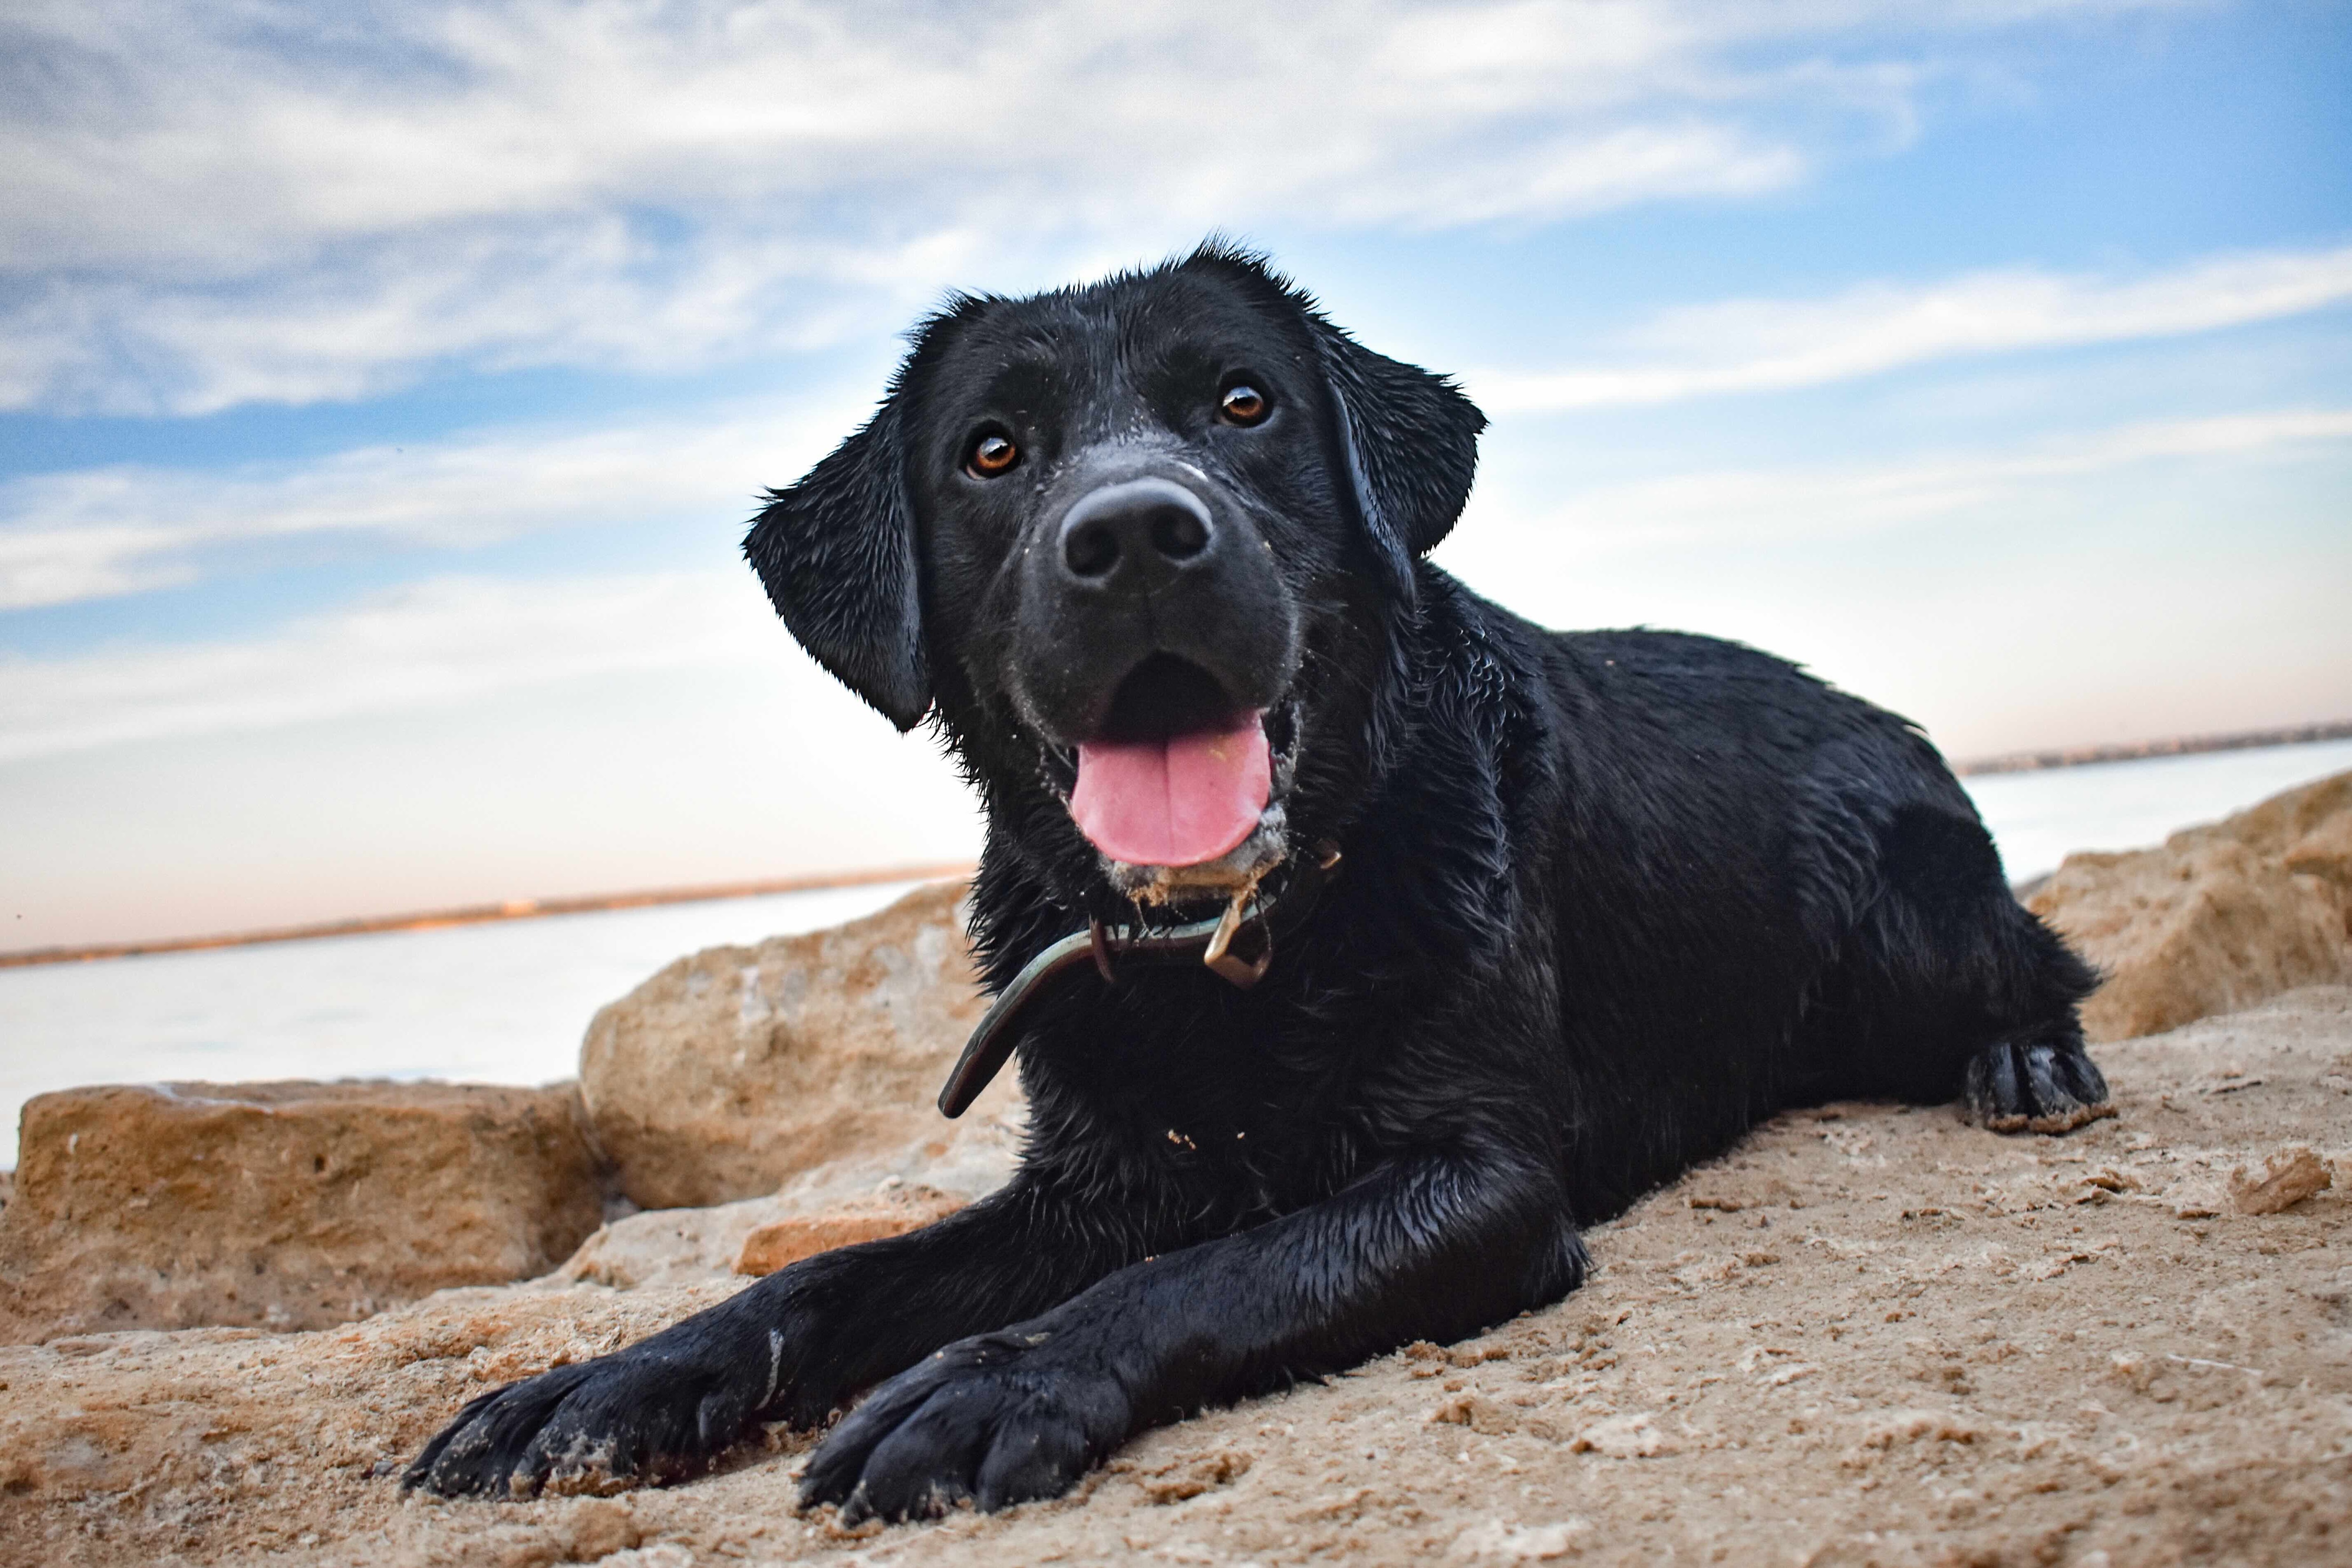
{"x": 1140, "y": 544}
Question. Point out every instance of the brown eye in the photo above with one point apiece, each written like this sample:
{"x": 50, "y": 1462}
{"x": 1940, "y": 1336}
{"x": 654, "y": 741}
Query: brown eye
{"x": 1242, "y": 405}
{"x": 993, "y": 454}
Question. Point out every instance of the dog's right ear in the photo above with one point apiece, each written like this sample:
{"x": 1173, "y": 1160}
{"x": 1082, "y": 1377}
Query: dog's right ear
{"x": 836, "y": 553}
{"x": 1408, "y": 438}
{"x": 1410, "y": 442}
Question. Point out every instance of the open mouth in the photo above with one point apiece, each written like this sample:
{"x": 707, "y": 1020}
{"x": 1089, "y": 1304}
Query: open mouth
{"x": 1180, "y": 778}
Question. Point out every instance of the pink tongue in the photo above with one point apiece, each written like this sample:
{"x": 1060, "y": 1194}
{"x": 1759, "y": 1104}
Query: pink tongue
{"x": 1173, "y": 802}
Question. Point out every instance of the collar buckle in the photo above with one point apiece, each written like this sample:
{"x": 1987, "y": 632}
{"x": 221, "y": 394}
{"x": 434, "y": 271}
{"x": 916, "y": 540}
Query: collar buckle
{"x": 1237, "y": 946}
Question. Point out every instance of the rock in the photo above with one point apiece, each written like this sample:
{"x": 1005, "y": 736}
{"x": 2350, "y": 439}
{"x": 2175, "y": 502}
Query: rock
{"x": 893, "y": 1213}
{"x": 730, "y": 1071}
{"x": 856, "y": 1200}
{"x": 1479, "y": 1413}
{"x": 283, "y": 1205}
{"x": 2287, "y": 1177}
{"x": 227, "y": 1448}
{"x": 1181, "y": 1480}
{"x": 1634, "y": 1436}
{"x": 1490, "y": 1538}
{"x": 663, "y": 1247}
{"x": 2218, "y": 917}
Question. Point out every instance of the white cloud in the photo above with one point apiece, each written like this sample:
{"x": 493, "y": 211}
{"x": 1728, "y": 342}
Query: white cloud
{"x": 457, "y": 639}
{"x": 207, "y": 205}
{"x": 1760, "y": 345}
{"x": 1757, "y": 506}
{"x": 94, "y": 532}
{"x": 432, "y": 643}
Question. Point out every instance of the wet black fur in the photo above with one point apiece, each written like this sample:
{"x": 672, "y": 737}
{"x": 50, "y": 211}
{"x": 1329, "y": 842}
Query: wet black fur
{"x": 1608, "y": 899}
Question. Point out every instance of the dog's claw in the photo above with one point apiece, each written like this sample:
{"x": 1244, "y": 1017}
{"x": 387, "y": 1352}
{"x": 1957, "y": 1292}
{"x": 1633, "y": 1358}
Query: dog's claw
{"x": 982, "y": 1420}
{"x": 601, "y": 1426}
{"x": 2012, "y": 1088}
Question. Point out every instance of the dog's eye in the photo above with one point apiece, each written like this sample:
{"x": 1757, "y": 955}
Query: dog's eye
{"x": 992, "y": 455}
{"x": 1242, "y": 405}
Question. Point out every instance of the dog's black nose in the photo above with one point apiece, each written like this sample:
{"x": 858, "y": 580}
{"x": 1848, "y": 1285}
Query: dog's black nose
{"x": 1136, "y": 537}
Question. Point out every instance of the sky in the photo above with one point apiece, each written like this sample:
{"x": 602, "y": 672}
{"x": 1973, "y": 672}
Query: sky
{"x": 383, "y": 388}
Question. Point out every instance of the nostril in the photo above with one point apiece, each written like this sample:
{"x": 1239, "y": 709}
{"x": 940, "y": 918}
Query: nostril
{"x": 1133, "y": 538}
{"x": 1179, "y": 535}
{"x": 1091, "y": 549}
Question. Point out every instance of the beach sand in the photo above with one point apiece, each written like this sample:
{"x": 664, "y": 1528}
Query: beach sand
{"x": 1870, "y": 1335}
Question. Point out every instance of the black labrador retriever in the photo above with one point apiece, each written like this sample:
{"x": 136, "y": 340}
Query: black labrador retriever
{"x": 1507, "y": 925}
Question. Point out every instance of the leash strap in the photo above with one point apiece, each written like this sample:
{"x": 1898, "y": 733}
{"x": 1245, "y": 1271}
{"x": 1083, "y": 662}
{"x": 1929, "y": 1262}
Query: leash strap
{"x": 1238, "y": 947}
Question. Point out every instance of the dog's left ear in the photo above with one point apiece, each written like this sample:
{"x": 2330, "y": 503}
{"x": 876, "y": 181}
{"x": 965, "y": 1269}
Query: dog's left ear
{"x": 836, "y": 553}
{"x": 1411, "y": 441}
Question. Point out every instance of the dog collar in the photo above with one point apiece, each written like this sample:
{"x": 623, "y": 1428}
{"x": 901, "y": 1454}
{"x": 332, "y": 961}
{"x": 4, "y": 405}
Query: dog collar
{"x": 1237, "y": 944}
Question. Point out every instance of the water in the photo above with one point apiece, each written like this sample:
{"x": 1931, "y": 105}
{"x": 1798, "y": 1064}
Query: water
{"x": 2040, "y": 818}
{"x": 507, "y": 1003}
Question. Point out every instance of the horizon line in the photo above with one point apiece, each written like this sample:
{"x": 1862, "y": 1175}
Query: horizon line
{"x": 2138, "y": 750}
{"x": 490, "y": 914}
{"x": 532, "y": 909}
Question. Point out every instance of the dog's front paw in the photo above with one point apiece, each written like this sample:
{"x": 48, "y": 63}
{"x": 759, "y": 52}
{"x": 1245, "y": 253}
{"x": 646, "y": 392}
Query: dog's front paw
{"x": 2034, "y": 1089}
{"x": 997, "y": 1418}
{"x": 601, "y": 1426}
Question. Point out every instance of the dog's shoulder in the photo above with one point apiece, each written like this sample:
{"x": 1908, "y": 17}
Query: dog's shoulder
{"x": 1672, "y": 663}
{"x": 1682, "y": 690}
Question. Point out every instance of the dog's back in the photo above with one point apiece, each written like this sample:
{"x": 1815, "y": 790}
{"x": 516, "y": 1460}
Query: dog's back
{"x": 1764, "y": 892}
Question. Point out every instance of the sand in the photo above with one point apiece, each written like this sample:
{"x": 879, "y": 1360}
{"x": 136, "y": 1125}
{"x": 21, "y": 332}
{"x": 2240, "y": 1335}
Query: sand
{"x": 1871, "y": 1335}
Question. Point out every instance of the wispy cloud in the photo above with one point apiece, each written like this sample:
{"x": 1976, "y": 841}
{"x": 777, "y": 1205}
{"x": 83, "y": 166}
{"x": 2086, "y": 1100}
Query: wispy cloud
{"x": 209, "y": 204}
{"x": 435, "y": 642}
{"x": 1775, "y": 505}
{"x": 1764, "y": 346}
{"x": 455, "y": 638}
{"x": 95, "y": 532}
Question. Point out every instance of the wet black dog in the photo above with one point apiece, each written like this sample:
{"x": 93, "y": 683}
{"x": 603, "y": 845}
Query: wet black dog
{"x": 1148, "y": 552}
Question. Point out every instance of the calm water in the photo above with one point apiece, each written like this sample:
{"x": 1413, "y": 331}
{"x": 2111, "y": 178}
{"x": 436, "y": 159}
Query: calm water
{"x": 507, "y": 1003}
{"x": 493, "y": 1003}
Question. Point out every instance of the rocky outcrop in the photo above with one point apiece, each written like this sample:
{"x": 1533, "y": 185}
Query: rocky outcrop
{"x": 284, "y": 1206}
{"x": 1922, "y": 1343}
{"x": 798, "y": 1074}
{"x": 874, "y": 1195}
{"x": 2218, "y": 917}
{"x": 895, "y": 1212}
{"x": 731, "y": 1071}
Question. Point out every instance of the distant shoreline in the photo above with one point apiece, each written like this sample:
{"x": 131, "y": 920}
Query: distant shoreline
{"x": 529, "y": 909}
{"x": 486, "y": 914}
{"x": 2140, "y": 750}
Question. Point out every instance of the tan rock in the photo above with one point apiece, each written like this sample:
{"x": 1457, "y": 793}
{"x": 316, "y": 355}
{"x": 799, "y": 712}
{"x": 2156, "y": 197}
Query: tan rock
{"x": 893, "y": 1213}
{"x": 233, "y": 1447}
{"x": 1479, "y": 1413}
{"x": 2286, "y": 1178}
{"x": 831, "y": 1205}
{"x": 1181, "y": 1480}
{"x": 2218, "y": 917}
{"x": 283, "y": 1205}
{"x": 1633, "y": 1437}
{"x": 730, "y": 1071}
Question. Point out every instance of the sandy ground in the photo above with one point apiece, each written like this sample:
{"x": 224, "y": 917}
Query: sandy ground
{"x": 1871, "y": 1335}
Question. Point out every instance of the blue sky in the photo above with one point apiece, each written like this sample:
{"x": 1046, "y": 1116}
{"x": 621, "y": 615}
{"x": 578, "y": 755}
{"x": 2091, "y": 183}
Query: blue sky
{"x": 380, "y": 397}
